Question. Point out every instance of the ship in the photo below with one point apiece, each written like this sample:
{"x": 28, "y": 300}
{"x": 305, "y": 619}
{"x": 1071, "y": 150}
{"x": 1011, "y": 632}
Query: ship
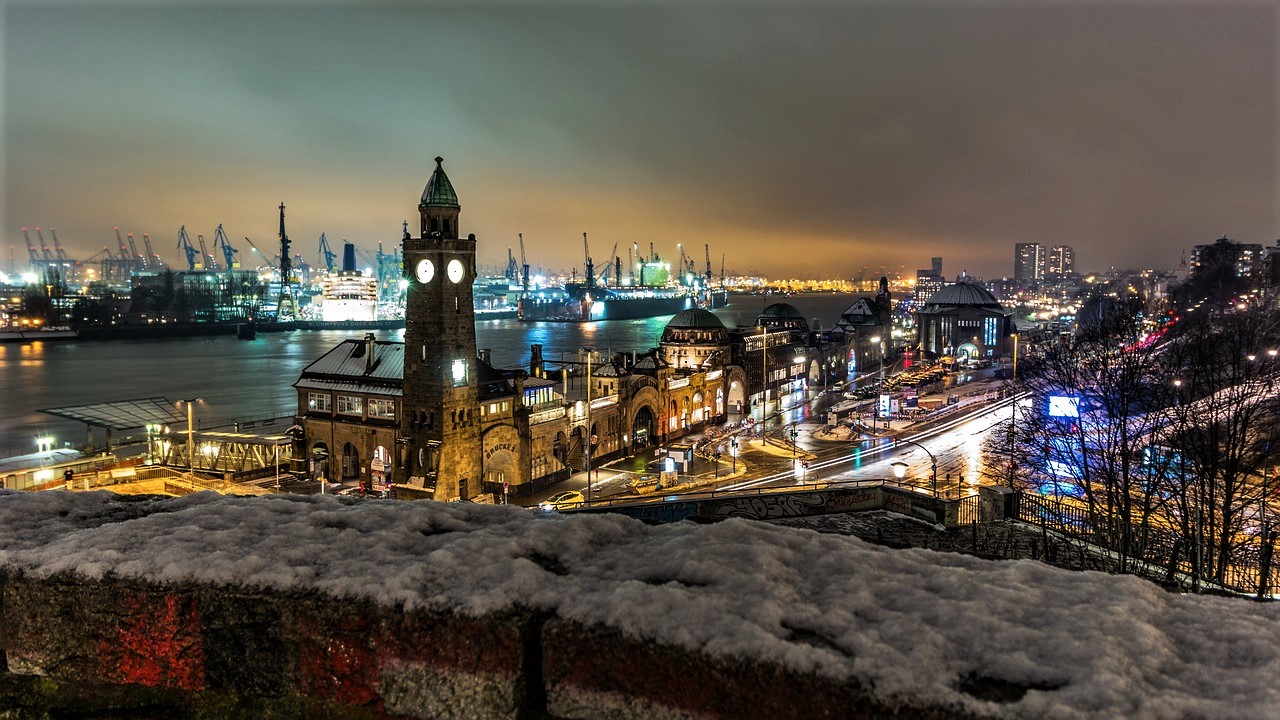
{"x": 654, "y": 295}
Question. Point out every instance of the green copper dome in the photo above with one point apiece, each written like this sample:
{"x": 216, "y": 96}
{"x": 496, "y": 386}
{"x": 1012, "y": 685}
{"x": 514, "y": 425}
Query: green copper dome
{"x": 439, "y": 192}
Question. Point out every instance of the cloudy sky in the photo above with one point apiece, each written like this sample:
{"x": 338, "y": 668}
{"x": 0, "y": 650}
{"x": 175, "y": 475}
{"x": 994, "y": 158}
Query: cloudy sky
{"x": 813, "y": 141}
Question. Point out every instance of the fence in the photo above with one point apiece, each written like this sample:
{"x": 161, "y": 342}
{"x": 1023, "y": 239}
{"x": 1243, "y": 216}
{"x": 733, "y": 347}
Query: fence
{"x": 1148, "y": 550}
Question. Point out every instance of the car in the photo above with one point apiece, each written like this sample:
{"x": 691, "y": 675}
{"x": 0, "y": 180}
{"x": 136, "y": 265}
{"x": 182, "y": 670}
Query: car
{"x": 562, "y": 500}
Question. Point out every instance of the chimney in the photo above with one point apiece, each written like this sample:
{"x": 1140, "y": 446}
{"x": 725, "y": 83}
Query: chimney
{"x": 370, "y": 345}
{"x": 484, "y": 355}
{"x": 535, "y": 360}
{"x": 348, "y": 258}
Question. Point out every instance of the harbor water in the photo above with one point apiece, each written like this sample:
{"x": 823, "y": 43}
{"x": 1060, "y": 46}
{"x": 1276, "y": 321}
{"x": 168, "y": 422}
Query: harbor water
{"x": 239, "y": 379}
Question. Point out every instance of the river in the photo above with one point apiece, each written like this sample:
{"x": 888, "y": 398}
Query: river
{"x": 237, "y": 378}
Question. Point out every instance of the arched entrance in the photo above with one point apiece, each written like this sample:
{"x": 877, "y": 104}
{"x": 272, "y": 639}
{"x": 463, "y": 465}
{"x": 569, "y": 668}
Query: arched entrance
{"x": 318, "y": 466}
{"x": 815, "y": 372}
{"x": 499, "y": 468}
{"x": 560, "y": 449}
{"x": 642, "y": 429}
{"x": 967, "y": 351}
{"x": 737, "y": 397}
{"x": 350, "y": 462}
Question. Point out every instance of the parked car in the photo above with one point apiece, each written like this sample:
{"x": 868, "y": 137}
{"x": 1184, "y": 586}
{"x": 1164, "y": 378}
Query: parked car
{"x": 561, "y": 500}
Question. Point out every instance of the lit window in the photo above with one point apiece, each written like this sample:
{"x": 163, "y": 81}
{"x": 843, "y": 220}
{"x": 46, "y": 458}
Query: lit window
{"x": 319, "y": 402}
{"x": 349, "y": 405}
{"x": 382, "y": 409}
{"x": 459, "y": 372}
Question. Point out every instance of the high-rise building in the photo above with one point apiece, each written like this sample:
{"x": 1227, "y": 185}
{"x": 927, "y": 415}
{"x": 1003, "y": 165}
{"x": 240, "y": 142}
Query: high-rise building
{"x": 1028, "y": 263}
{"x": 440, "y": 421}
{"x": 1061, "y": 262}
{"x": 928, "y": 282}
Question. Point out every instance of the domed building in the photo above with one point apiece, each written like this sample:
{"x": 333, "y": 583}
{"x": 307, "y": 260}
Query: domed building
{"x": 693, "y": 339}
{"x": 781, "y": 316}
{"x": 966, "y": 321}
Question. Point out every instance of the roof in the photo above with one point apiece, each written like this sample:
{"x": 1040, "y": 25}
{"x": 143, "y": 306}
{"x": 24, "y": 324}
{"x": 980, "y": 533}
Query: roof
{"x": 781, "y": 310}
{"x": 609, "y": 369}
{"x": 347, "y": 360}
{"x": 123, "y": 414}
{"x": 964, "y": 293}
{"x": 695, "y": 318}
{"x": 439, "y": 191}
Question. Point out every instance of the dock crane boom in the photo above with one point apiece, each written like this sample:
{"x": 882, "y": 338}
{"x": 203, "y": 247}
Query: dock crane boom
{"x": 327, "y": 253}
{"x": 31, "y": 249}
{"x": 228, "y": 252}
{"x": 126, "y": 261}
{"x": 139, "y": 262}
{"x": 270, "y": 262}
{"x": 57, "y": 246}
{"x": 184, "y": 244}
{"x": 707, "y": 247}
{"x": 524, "y": 266}
{"x": 206, "y": 260}
{"x": 153, "y": 260}
{"x": 44, "y": 248}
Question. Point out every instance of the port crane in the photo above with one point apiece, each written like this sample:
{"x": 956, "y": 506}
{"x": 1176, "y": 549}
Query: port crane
{"x": 707, "y": 247}
{"x": 126, "y": 264}
{"x": 285, "y": 307}
{"x": 228, "y": 252}
{"x": 139, "y": 262}
{"x": 206, "y": 260}
{"x": 31, "y": 249}
{"x": 524, "y": 266}
{"x": 153, "y": 260}
{"x": 327, "y": 253}
{"x": 512, "y": 272}
{"x": 184, "y": 244}
{"x": 57, "y": 246}
{"x": 270, "y": 262}
{"x": 44, "y": 248}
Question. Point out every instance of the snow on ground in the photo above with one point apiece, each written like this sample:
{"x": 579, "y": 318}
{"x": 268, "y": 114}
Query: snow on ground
{"x": 910, "y": 623}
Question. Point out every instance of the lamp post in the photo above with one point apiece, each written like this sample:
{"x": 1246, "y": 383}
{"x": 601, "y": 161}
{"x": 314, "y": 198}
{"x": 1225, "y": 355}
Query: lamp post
{"x": 764, "y": 372}
{"x": 880, "y": 385}
{"x": 191, "y": 445}
{"x": 900, "y": 469}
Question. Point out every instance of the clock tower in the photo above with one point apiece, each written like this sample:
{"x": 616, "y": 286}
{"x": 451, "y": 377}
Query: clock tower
{"x": 440, "y": 417}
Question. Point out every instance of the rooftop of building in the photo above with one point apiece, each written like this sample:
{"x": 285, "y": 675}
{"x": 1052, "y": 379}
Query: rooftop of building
{"x": 964, "y": 293}
{"x": 439, "y": 191}
{"x": 695, "y": 318}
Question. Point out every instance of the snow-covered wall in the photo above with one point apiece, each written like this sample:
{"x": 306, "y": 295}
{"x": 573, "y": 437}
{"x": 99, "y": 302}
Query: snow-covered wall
{"x": 430, "y": 610}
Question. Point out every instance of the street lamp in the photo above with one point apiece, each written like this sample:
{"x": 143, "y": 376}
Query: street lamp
{"x": 764, "y": 371}
{"x": 880, "y": 387}
{"x": 900, "y": 469}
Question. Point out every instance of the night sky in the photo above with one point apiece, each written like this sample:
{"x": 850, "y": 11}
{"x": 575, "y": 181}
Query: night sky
{"x": 816, "y": 141}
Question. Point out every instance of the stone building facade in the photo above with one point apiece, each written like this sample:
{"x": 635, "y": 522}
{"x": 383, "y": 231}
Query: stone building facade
{"x": 434, "y": 418}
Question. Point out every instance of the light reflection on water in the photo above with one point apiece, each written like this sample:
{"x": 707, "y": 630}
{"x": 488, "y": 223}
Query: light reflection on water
{"x": 241, "y": 379}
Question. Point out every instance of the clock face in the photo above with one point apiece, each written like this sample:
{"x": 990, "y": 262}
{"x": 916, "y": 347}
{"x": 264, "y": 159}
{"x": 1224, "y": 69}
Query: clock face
{"x": 425, "y": 271}
{"x": 455, "y": 271}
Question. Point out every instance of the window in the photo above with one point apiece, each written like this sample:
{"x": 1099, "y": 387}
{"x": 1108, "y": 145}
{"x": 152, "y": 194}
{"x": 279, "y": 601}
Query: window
{"x": 991, "y": 331}
{"x": 382, "y": 409}
{"x": 319, "y": 402}
{"x": 349, "y": 405}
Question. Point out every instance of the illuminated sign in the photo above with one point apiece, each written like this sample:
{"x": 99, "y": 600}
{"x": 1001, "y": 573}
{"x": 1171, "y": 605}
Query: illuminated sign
{"x": 1065, "y": 406}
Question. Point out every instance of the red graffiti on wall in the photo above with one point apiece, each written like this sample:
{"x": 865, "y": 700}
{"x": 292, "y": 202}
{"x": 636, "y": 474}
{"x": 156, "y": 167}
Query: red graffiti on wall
{"x": 157, "y": 643}
{"x": 341, "y": 663}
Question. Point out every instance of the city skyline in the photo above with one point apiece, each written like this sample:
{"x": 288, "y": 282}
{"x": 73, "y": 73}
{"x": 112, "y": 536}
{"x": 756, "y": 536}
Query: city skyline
{"x": 860, "y": 136}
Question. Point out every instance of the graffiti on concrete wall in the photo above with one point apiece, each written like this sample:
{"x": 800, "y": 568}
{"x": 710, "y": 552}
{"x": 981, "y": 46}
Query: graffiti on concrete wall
{"x": 766, "y": 507}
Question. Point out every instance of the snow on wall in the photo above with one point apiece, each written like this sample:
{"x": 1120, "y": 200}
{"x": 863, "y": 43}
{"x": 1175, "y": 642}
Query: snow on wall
{"x": 911, "y": 624}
